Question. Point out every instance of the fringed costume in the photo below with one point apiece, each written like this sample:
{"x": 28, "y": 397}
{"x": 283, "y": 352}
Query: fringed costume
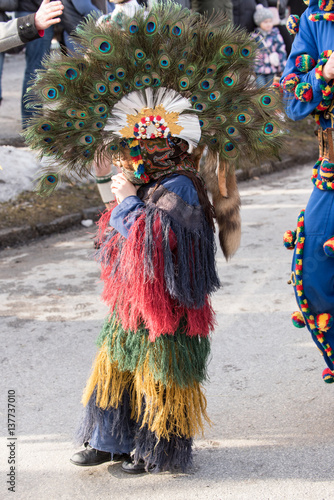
{"x": 306, "y": 92}
{"x": 159, "y": 269}
{"x": 156, "y": 92}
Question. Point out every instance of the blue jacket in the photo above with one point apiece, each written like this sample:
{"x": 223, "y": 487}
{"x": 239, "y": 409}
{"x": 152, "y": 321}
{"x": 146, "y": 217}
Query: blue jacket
{"x": 313, "y": 38}
{"x": 124, "y": 214}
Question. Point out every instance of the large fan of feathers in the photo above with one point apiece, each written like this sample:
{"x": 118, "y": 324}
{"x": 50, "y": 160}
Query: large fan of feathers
{"x": 206, "y": 60}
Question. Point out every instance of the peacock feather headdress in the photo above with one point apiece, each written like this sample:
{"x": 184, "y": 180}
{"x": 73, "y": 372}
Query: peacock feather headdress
{"x": 167, "y": 72}
{"x": 190, "y": 74}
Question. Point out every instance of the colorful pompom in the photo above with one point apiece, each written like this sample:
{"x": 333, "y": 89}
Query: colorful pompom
{"x": 304, "y": 92}
{"x": 298, "y": 319}
{"x": 324, "y": 322}
{"x": 329, "y": 247}
{"x": 328, "y": 376}
{"x": 326, "y": 5}
{"x": 290, "y": 82}
{"x": 305, "y": 63}
{"x": 292, "y": 24}
{"x": 289, "y": 239}
{"x": 306, "y": 2}
{"x": 327, "y": 171}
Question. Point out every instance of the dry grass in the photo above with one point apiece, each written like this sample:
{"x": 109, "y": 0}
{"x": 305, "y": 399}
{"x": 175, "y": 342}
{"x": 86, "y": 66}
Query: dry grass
{"x": 29, "y": 208}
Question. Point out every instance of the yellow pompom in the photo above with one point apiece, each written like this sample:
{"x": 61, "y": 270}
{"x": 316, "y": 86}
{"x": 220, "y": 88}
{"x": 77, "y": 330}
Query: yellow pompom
{"x": 324, "y": 322}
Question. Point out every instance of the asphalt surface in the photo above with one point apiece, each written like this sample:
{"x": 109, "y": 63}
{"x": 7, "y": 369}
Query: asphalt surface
{"x": 272, "y": 433}
{"x": 10, "y": 109}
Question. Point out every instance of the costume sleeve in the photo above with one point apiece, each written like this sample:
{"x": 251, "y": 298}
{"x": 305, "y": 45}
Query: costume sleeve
{"x": 183, "y": 187}
{"x": 124, "y": 214}
{"x": 305, "y": 43}
{"x": 17, "y": 31}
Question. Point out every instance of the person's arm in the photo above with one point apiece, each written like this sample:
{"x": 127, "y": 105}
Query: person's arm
{"x": 304, "y": 43}
{"x": 125, "y": 214}
{"x": 11, "y": 35}
{"x": 27, "y": 28}
{"x": 129, "y": 205}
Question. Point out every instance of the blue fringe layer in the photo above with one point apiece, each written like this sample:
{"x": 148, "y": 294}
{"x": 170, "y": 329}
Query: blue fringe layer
{"x": 122, "y": 425}
{"x": 160, "y": 455}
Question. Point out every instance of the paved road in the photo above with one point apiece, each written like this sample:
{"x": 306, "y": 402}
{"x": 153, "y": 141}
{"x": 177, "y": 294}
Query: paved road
{"x": 10, "y": 109}
{"x": 273, "y": 416}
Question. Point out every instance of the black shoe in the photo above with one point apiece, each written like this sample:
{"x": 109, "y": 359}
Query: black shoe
{"x": 90, "y": 456}
{"x": 131, "y": 468}
{"x": 119, "y": 457}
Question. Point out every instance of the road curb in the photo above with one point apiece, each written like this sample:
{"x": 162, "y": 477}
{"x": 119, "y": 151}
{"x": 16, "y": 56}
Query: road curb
{"x": 22, "y": 235}
{"x": 271, "y": 166}
{"x": 16, "y": 236}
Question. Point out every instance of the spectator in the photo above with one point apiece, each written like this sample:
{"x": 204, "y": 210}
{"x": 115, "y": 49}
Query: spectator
{"x": 35, "y": 51}
{"x": 271, "y": 56}
{"x": 9, "y": 6}
{"x": 211, "y": 6}
{"x": 243, "y": 11}
{"x": 280, "y": 6}
{"x": 28, "y": 28}
{"x": 76, "y": 10}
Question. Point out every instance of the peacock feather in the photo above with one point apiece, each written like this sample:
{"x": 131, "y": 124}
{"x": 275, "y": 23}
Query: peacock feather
{"x": 207, "y": 62}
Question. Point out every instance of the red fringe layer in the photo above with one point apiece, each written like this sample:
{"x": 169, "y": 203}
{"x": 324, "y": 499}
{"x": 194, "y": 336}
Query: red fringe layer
{"x": 138, "y": 297}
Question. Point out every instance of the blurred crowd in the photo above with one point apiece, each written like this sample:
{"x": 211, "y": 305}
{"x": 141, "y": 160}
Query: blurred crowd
{"x": 265, "y": 20}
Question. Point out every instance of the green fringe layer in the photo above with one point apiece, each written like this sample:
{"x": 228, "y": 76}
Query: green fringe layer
{"x": 177, "y": 358}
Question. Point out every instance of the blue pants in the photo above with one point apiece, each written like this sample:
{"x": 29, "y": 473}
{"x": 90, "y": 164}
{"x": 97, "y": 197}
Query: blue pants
{"x": 34, "y": 53}
{"x": 102, "y": 439}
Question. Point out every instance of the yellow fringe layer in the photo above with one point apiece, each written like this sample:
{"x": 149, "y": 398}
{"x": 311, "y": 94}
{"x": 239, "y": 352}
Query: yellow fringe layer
{"x": 168, "y": 410}
{"x": 109, "y": 381}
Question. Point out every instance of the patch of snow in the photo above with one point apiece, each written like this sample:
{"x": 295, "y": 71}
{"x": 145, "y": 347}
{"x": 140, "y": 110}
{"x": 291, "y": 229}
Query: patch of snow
{"x": 18, "y": 171}
{"x": 87, "y": 222}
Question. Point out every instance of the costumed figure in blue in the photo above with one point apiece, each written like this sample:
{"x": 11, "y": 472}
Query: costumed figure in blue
{"x": 308, "y": 86}
{"x": 154, "y": 93}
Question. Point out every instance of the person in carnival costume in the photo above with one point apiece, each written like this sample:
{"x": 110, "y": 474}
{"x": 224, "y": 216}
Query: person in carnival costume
{"x": 308, "y": 83}
{"x": 153, "y": 95}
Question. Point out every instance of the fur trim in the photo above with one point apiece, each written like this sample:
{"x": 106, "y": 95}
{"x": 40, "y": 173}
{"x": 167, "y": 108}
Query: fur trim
{"x": 227, "y": 208}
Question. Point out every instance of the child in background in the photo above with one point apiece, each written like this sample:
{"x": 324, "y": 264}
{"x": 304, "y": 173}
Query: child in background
{"x": 271, "y": 57}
